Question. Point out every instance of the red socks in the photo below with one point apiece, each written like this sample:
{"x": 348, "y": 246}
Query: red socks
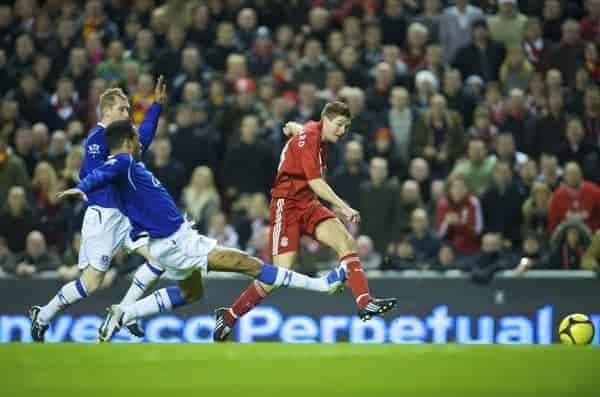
{"x": 356, "y": 279}
{"x": 246, "y": 302}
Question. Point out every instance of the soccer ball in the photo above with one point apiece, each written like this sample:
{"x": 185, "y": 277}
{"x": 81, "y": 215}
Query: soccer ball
{"x": 576, "y": 329}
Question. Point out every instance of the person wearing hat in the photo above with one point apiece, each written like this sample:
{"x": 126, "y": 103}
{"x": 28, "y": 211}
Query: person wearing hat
{"x": 508, "y": 24}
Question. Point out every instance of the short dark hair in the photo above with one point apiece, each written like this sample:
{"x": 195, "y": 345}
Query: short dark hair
{"x": 334, "y": 109}
{"x": 118, "y": 132}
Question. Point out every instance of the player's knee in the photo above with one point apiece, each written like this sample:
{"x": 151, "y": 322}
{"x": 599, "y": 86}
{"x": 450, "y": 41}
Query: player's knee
{"x": 347, "y": 244}
{"x": 92, "y": 281}
{"x": 250, "y": 265}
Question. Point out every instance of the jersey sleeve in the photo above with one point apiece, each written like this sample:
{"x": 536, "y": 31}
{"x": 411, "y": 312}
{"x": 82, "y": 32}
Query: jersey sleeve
{"x": 308, "y": 149}
{"x": 148, "y": 126}
{"x": 107, "y": 173}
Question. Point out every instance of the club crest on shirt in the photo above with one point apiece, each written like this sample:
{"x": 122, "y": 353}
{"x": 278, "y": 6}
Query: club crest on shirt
{"x": 94, "y": 149}
{"x": 284, "y": 242}
{"x": 105, "y": 259}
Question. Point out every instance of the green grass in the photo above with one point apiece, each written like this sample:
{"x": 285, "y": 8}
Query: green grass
{"x": 248, "y": 370}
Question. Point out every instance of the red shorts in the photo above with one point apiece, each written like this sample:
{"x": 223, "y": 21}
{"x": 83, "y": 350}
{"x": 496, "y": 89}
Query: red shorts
{"x": 292, "y": 219}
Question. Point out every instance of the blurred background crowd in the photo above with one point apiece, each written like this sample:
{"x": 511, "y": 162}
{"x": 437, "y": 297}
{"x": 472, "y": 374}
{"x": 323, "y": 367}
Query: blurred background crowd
{"x": 474, "y": 144}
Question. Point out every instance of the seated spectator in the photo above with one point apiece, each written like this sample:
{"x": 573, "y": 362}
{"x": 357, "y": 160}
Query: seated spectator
{"x": 527, "y": 175}
{"x": 550, "y": 127}
{"x": 382, "y": 145}
{"x": 536, "y": 100}
{"x": 483, "y": 56}
{"x": 506, "y": 151}
{"x": 221, "y": 231}
{"x": 569, "y": 242}
{"x": 69, "y": 177}
{"x": 425, "y": 245}
{"x": 478, "y": 168}
{"x": 537, "y": 49}
{"x": 378, "y": 198}
{"x": 59, "y": 147}
{"x": 446, "y": 259}
{"x": 313, "y": 66}
{"x": 12, "y": 171}
{"x": 168, "y": 171}
{"x": 195, "y": 140}
{"x": 569, "y": 52}
{"x": 142, "y": 98}
{"x": 439, "y": 134}
{"x": 111, "y": 69}
{"x": 65, "y": 102}
{"x": 236, "y": 167}
{"x": 369, "y": 258}
{"x": 492, "y": 258}
{"x": 519, "y": 122}
{"x": 410, "y": 199}
{"x": 508, "y": 24}
{"x": 400, "y": 119}
{"x": 516, "y": 71}
{"x": 417, "y": 35}
{"x": 592, "y": 61}
{"x": 419, "y": 172}
{"x": 501, "y": 205}
{"x": 459, "y": 219}
{"x": 36, "y": 258}
{"x": 458, "y": 100}
{"x": 575, "y": 200}
{"x": 426, "y": 85}
{"x": 259, "y": 244}
{"x": 16, "y": 219}
{"x": 48, "y": 209}
{"x": 495, "y": 102}
{"x": 348, "y": 177}
{"x": 533, "y": 255}
{"x": 23, "y": 148}
{"x": 7, "y": 258}
{"x": 378, "y": 94}
{"x": 591, "y": 114}
{"x": 535, "y": 211}
{"x": 577, "y": 150}
{"x": 200, "y": 198}
{"x": 550, "y": 172}
{"x": 483, "y": 128}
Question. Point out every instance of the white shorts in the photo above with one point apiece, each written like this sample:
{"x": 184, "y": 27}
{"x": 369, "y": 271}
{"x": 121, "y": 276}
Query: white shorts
{"x": 103, "y": 232}
{"x": 183, "y": 252}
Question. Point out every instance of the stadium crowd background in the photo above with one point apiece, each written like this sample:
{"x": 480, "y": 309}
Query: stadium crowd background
{"x": 474, "y": 141}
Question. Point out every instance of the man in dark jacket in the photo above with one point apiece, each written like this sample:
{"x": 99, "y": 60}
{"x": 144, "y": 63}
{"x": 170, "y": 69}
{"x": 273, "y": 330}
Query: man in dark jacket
{"x": 348, "y": 177}
{"x": 502, "y": 205}
{"x": 482, "y": 57}
{"x": 249, "y": 165}
{"x": 36, "y": 258}
{"x": 377, "y": 205}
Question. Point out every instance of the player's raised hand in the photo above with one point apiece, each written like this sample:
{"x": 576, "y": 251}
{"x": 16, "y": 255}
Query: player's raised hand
{"x": 74, "y": 192}
{"x": 292, "y": 128}
{"x": 160, "y": 90}
{"x": 351, "y": 214}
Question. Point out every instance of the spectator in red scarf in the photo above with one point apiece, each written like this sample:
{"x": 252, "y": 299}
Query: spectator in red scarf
{"x": 592, "y": 61}
{"x": 459, "y": 218}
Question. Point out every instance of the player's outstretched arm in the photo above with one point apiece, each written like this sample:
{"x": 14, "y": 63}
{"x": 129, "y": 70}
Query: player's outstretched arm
{"x": 107, "y": 173}
{"x": 150, "y": 123}
{"x": 325, "y": 192}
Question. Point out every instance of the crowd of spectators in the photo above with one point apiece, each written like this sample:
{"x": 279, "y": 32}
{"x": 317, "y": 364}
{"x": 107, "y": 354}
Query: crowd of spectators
{"x": 474, "y": 143}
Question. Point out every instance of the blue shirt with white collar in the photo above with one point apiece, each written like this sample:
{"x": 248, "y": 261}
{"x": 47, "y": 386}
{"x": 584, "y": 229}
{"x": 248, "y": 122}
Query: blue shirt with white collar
{"x": 97, "y": 151}
{"x": 145, "y": 201}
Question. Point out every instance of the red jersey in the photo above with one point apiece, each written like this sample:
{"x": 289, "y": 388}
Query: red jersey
{"x": 586, "y": 199}
{"x": 303, "y": 158}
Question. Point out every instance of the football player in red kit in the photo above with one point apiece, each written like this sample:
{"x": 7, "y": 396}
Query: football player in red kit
{"x": 296, "y": 211}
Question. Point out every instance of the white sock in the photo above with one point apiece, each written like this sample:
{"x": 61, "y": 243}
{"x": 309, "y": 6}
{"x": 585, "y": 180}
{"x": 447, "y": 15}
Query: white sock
{"x": 70, "y": 293}
{"x": 144, "y": 277}
{"x": 164, "y": 299}
{"x": 291, "y": 279}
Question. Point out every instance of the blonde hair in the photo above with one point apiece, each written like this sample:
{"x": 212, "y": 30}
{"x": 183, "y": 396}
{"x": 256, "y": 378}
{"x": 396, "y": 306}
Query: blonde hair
{"x": 109, "y": 97}
{"x": 44, "y": 166}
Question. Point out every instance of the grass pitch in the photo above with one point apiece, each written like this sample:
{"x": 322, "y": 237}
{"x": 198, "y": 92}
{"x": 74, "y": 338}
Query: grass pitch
{"x": 247, "y": 370}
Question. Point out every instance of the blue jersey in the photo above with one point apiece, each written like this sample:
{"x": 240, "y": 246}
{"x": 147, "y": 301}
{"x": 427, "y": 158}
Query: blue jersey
{"x": 145, "y": 201}
{"x": 97, "y": 151}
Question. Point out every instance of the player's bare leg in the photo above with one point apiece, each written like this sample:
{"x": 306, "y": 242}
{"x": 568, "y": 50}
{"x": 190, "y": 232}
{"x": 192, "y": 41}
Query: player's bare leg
{"x": 334, "y": 234}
